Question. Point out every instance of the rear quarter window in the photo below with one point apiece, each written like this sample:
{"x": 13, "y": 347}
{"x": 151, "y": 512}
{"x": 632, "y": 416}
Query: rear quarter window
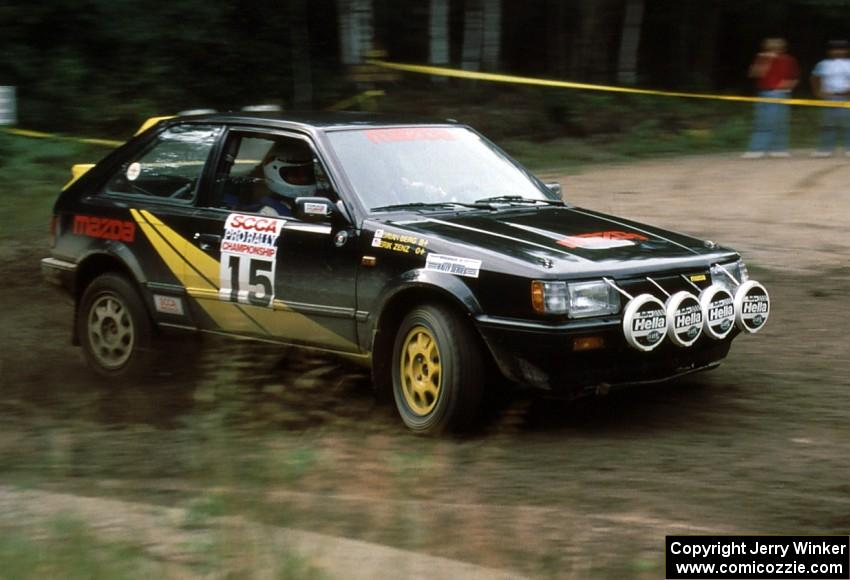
{"x": 170, "y": 168}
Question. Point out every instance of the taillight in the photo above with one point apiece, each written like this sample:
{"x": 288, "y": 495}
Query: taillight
{"x": 53, "y": 225}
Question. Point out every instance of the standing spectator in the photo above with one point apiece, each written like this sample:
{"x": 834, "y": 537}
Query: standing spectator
{"x": 831, "y": 82}
{"x": 776, "y": 74}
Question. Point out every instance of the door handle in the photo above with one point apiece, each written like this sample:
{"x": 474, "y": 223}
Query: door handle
{"x": 207, "y": 241}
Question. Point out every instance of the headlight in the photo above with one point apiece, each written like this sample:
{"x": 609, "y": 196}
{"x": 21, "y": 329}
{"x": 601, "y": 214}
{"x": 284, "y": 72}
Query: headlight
{"x": 577, "y": 299}
{"x": 737, "y": 269}
{"x": 592, "y": 299}
{"x": 549, "y": 297}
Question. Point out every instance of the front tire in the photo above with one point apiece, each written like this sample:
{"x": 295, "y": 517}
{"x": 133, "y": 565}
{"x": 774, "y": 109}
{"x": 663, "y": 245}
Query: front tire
{"x": 437, "y": 371}
{"x": 114, "y": 327}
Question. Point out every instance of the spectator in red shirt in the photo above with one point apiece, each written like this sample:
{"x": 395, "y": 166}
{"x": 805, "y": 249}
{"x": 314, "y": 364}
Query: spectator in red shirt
{"x": 776, "y": 74}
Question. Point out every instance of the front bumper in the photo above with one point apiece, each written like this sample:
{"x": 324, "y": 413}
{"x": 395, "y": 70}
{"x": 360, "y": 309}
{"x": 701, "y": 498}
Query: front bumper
{"x": 543, "y": 356}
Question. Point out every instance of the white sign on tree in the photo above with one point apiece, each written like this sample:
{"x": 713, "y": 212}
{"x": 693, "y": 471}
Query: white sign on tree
{"x": 8, "y": 108}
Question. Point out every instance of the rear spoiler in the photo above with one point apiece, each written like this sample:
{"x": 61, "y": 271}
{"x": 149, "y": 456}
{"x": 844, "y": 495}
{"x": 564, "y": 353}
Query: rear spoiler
{"x": 77, "y": 171}
{"x": 150, "y": 123}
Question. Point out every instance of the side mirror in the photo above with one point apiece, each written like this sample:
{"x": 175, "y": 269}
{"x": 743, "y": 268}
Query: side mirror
{"x": 315, "y": 209}
{"x": 554, "y": 187}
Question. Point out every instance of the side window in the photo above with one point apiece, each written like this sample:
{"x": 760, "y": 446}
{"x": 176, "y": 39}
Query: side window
{"x": 170, "y": 168}
{"x": 261, "y": 173}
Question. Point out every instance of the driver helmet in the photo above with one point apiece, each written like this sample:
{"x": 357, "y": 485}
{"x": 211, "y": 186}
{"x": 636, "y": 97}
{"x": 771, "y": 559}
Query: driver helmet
{"x": 288, "y": 169}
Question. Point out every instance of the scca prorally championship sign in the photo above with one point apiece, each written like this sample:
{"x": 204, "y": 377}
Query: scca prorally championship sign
{"x": 8, "y": 106}
{"x": 249, "y": 259}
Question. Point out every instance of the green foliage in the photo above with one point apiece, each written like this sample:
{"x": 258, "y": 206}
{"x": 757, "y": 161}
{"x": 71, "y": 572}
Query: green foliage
{"x": 100, "y": 66}
{"x": 291, "y": 566}
{"x": 201, "y": 510}
{"x": 71, "y": 551}
{"x": 68, "y": 548}
{"x": 32, "y": 173}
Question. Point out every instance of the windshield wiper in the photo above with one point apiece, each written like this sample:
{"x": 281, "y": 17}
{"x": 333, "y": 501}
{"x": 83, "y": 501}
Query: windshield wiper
{"x": 425, "y": 205}
{"x": 518, "y": 199}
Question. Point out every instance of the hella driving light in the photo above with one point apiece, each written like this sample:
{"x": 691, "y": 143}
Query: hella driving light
{"x": 752, "y": 306}
{"x": 549, "y": 297}
{"x": 737, "y": 269}
{"x": 684, "y": 318}
{"x": 718, "y": 309}
{"x": 591, "y": 299}
{"x": 644, "y": 322}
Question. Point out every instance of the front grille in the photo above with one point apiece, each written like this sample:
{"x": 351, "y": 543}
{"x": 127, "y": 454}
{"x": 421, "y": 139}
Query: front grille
{"x": 671, "y": 282}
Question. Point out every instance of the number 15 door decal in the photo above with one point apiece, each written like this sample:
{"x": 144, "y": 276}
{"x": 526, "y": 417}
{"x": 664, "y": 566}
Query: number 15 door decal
{"x": 248, "y": 259}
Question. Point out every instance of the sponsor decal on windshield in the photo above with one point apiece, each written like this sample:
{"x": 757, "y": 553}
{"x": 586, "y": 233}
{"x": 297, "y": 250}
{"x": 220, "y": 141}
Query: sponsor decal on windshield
{"x": 409, "y": 134}
{"x": 602, "y": 240}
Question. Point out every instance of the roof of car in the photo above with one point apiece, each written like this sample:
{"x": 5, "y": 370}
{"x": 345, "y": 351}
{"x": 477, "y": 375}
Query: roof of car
{"x": 318, "y": 119}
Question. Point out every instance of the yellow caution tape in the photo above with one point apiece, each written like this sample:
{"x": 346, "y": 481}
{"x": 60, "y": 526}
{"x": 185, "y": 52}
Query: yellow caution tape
{"x": 474, "y": 75}
{"x": 512, "y": 79}
{"x": 105, "y": 142}
{"x": 356, "y": 99}
{"x": 40, "y": 135}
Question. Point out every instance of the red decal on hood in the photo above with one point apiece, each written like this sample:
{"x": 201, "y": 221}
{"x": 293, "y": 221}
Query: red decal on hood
{"x": 602, "y": 239}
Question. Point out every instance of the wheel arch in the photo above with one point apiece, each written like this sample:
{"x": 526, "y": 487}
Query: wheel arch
{"x": 418, "y": 287}
{"x": 96, "y": 264}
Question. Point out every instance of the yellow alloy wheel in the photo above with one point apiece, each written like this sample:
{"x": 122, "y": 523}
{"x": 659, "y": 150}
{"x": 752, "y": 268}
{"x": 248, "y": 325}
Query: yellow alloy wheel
{"x": 421, "y": 373}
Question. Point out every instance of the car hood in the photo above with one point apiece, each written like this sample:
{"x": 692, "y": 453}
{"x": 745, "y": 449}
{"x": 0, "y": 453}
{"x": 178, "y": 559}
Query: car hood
{"x": 566, "y": 237}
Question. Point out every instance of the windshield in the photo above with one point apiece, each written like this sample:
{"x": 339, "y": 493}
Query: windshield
{"x": 430, "y": 165}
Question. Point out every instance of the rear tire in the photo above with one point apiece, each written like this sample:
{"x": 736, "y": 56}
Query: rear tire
{"x": 114, "y": 328}
{"x": 437, "y": 371}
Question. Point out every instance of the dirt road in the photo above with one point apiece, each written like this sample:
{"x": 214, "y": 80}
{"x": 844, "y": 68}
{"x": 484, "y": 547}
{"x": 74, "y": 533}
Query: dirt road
{"x": 786, "y": 214}
{"x": 761, "y": 445}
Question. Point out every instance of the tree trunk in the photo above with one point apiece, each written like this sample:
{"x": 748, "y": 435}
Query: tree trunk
{"x": 492, "y": 34}
{"x": 302, "y": 94}
{"x": 556, "y": 33}
{"x": 438, "y": 33}
{"x": 630, "y": 43}
{"x": 346, "y": 46}
{"x": 473, "y": 23}
{"x": 365, "y": 28}
{"x": 706, "y": 48}
{"x": 582, "y": 59}
{"x": 592, "y": 49}
{"x": 355, "y": 30}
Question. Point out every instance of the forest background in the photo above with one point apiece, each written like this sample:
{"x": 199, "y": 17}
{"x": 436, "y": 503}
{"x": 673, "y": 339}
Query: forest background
{"x": 101, "y": 66}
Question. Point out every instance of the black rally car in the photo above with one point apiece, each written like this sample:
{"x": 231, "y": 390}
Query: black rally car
{"x": 420, "y": 249}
